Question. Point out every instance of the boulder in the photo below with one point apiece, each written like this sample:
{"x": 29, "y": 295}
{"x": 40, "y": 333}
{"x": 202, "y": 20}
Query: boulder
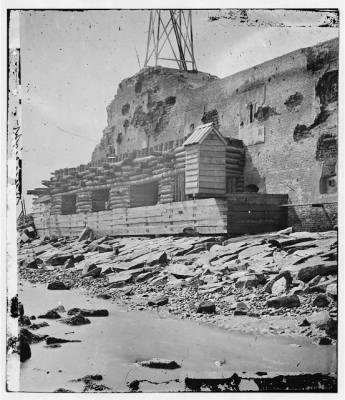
{"x": 332, "y": 290}
{"x": 284, "y": 301}
{"x": 24, "y": 349}
{"x": 206, "y": 307}
{"x": 30, "y": 337}
{"x": 38, "y": 326}
{"x": 331, "y": 328}
{"x": 159, "y": 301}
{"x": 60, "y": 308}
{"x": 31, "y": 264}
{"x": 77, "y": 319}
{"x": 88, "y": 313}
{"x": 57, "y": 285}
{"x": 50, "y": 315}
{"x": 24, "y": 320}
{"x": 160, "y": 363}
{"x": 14, "y": 307}
{"x": 285, "y": 280}
{"x": 321, "y": 300}
{"x": 280, "y": 286}
{"x": 241, "y": 306}
{"x": 104, "y": 296}
{"x": 324, "y": 341}
{"x": 319, "y": 319}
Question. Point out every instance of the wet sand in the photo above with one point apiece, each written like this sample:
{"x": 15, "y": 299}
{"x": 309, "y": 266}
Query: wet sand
{"x": 112, "y": 345}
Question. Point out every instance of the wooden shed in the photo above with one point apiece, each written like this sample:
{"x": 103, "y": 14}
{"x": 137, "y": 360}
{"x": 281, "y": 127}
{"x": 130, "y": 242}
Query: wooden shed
{"x": 205, "y": 162}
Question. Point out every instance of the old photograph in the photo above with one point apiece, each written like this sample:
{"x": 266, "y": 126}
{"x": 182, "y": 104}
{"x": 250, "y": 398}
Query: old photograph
{"x": 172, "y": 200}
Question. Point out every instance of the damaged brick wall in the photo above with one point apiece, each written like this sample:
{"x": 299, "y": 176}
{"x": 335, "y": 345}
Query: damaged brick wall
{"x": 291, "y": 99}
{"x": 148, "y": 109}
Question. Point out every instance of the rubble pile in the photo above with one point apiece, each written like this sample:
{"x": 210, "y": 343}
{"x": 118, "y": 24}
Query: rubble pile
{"x": 277, "y": 283}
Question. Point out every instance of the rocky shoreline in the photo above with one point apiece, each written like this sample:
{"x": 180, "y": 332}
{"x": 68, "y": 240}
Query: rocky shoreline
{"x": 281, "y": 283}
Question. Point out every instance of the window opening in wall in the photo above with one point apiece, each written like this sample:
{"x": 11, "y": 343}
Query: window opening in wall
{"x": 69, "y": 204}
{"x": 100, "y": 200}
{"x": 144, "y": 194}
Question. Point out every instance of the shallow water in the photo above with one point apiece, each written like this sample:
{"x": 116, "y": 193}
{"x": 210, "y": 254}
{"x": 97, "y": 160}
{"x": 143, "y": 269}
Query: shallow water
{"x": 111, "y": 346}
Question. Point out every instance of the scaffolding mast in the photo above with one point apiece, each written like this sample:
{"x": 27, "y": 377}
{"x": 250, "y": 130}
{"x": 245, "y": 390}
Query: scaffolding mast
{"x": 171, "y": 28}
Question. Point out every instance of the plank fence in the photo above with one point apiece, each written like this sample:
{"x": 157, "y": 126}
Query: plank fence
{"x": 206, "y": 216}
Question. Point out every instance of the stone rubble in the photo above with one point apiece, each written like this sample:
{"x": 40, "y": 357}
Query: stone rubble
{"x": 248, "y": 282}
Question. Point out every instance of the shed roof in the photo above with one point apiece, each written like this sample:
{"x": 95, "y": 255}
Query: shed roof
{"x": 200, "y": 133}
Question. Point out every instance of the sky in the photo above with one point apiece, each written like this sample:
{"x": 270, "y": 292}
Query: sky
{"x": 73, "y": 62}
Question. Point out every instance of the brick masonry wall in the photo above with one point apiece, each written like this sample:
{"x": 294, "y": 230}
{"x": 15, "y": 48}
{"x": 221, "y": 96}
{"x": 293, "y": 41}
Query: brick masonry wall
{"x": 293, "y": 98}
{"x": 308, "y": 218}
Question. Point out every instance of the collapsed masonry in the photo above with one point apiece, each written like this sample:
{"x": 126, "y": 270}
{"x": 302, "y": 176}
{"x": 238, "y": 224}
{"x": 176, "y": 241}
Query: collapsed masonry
{"x": 277, "y": 130}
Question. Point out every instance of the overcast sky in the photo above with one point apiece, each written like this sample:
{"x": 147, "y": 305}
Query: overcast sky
{"x": 72, "y": 63}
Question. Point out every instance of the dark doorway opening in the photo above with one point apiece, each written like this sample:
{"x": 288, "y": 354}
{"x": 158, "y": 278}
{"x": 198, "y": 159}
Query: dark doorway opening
{"x": 145, "y": 194}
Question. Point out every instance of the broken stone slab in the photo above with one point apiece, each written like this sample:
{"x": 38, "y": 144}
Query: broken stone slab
{"x": 159, "y": 301}
{"x": 144, "y": 276}
{"x": 88, "y": 313}
{"x": 159, "y": 281}
{"x": 85, "y": 234}
{"x": 77, "y": 319}
{"x": 306, "y": 273}
{"x": 206, "y": 307}
{"x": 181, "y": 270}
{"x": 119, "y": 279}
{"x": 285, "y": 231}
{"x": 104, "y": 248}
{"x": 254, "y": 251}
{"x": 211, "y": 288}
{"x": 249, "y": 281}
{"x": 236, "y": 275}
{"x": 88, "y": 266}
{"x": 160, "y": 363}
{"x": 321, "y": 287}
{"x": 31, "y": 264}
{"x": 57, "y": 285}
{"x": 53, "y": 340}
{"x": 287, "y": 281}
{"x": 50, "y": 315}
{"x": 69, "y": 263}
{"x": 94, "y": 273}
{"x": 59, "y": 259}
{"x": 289, "y": 301}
